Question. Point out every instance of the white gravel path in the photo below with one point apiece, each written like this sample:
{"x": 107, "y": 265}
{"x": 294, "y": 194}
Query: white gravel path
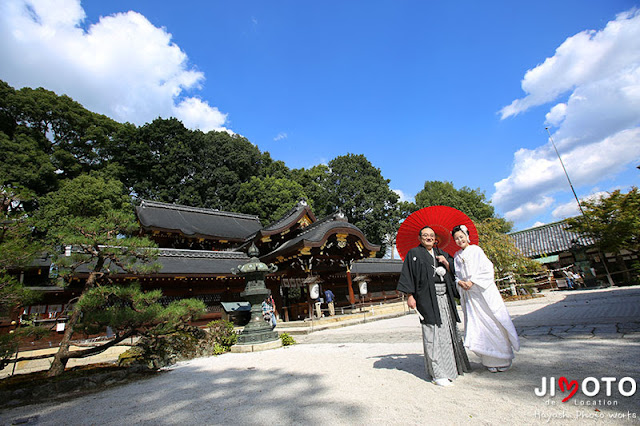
{"x": 369, "y": 383}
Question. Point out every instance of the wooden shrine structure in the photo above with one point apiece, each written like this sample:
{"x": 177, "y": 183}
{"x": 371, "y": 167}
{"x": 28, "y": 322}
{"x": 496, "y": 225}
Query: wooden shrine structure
{"x": 199, "y": 247}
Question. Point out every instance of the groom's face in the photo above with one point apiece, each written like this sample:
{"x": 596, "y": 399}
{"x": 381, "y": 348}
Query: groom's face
{"x": 427, "y": 238}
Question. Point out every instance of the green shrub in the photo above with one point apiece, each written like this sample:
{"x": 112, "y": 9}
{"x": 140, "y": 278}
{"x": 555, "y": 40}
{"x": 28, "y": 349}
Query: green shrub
{"x": 218, "y": 349}
{"x": 287, "y": 339}
{"x": 222, "y": 333}
{"x": 132, "y": 356}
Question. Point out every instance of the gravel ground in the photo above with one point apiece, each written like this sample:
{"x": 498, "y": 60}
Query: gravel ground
{"x": 374, "y": 374}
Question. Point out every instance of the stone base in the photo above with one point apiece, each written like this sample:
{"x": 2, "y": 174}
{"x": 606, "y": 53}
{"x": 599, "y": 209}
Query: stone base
{"x": 256, "y": 347}
{"x": 252, "y": 335}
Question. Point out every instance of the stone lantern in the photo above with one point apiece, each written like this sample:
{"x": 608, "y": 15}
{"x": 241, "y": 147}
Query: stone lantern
{"x": 257, "y": 334}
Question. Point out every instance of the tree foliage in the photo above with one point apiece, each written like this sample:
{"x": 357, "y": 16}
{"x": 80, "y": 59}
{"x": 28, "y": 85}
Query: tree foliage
{"x": 269, "y": 198}
{"x": 613, "y": 221}
{"x": 358, "y": 189}
{"x": 57, "y": 133}
{"x": 18, "y": 248}
{"x": 164, "y": 161}
{"x": 128, "y": 310}
{"x": 501, "y": 250}
{"x": 315, "y": 183}
{"x": 94, "y": 216}
{"x": 471, "y": 202}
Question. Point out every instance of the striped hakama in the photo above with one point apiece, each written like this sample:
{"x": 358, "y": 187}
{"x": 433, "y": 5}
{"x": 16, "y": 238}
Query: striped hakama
{"x": 444, "y": 353}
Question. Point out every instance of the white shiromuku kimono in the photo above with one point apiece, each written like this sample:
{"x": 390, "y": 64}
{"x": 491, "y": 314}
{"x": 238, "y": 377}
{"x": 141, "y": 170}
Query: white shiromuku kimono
{"x": 488, "y": 329}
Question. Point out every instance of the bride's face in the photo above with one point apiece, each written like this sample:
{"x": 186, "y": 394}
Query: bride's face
{"x": 461, "y": 239}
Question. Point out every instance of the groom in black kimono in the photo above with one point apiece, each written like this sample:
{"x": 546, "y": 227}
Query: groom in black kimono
{"x": 427, "y": 279}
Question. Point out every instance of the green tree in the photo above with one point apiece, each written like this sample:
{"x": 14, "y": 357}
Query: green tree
{"x": 500, "y": 249}
{"x": 157, "y": 159}
{"x": 17, "y": 250}
{"x": 315, "y": 182}
{"x": 94, "y": 216}
{"x": 227, "y": 161}
{"x": 164, "y": 161}
{"x": 45, "y": 138}
{"x": 128, "y": 310}
{"x": 471, "y": 202}
{"x": 25, "y": 164}
{"x": 613, "y": 222}
{"x": 272, "y": 168}
{"x": 358, "y": 189}
{"x": 72, "y": 136}
{"x": 269, "y": 198}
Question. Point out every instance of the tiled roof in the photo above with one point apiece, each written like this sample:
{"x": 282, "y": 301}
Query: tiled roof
{"x": 374, "y": 266}
{"x": 186, "y": 262}
{"x": 190, "y": 262}
{"x": 548, "y": 239}
{"x": 193, "y": 221}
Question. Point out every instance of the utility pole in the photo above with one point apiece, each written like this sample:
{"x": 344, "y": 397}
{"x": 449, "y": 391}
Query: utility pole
{"x": 604, "y": 260}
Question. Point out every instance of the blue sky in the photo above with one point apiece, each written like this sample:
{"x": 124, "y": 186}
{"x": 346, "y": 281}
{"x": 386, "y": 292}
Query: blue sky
{"x": 451, "y": 91}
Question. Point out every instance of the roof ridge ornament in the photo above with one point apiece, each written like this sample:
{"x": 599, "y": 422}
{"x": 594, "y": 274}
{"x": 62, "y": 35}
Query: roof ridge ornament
{"x": 253, "y": 250}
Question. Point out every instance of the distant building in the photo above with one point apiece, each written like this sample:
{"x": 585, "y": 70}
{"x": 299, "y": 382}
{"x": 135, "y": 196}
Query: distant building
{"x": 559, "y": 249}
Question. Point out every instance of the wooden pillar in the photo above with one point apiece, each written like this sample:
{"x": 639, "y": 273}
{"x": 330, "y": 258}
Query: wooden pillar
{"x": 352, "y": 297}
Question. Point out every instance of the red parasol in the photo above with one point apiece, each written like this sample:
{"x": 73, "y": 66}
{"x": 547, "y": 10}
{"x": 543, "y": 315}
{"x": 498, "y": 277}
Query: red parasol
{"x": 442, "y": 220}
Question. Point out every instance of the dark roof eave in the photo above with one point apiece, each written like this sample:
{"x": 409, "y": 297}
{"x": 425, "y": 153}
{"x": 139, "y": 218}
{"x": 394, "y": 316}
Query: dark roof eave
{"x": 288, "y": 223}
{"x": 302, "y": 243}
{"x": 194, "y": 235}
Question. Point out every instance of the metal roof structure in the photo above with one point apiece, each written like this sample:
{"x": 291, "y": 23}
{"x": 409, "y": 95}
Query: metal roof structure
{"x": 548, "y": 239}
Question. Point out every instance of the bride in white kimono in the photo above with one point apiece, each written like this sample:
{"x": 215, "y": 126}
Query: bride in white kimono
{"x": 488, "y": 329}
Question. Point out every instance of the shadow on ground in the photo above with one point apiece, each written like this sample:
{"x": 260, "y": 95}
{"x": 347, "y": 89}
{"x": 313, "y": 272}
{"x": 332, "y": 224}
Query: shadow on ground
{"x": 578, "y": 307}
{"x": 409, "y": 363}
{"x": 232, "y": 396}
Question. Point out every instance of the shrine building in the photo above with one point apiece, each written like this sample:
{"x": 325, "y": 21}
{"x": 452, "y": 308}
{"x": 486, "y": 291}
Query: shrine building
{"x": 199, "y": 247}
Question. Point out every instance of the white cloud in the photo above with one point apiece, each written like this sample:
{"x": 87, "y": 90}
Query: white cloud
{"x": 597, "y": 128}
{"x": 122, "y": 66}
{"x": 538, "y": 173}
{"x": 566, "y": 210}
{"x": 280, "y": 136}
{"x": 557, "y": 114}
{"x": 197, "y": 114}
{"x": 571, "y": 208}
{"x": 529, "y": 209}
{"x": 587, "y": 56}
{"x": 402, "y": 195}
{"x": 535, "y": 225}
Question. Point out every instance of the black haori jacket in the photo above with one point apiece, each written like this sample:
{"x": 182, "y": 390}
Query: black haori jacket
{"x": 417, "y": 278}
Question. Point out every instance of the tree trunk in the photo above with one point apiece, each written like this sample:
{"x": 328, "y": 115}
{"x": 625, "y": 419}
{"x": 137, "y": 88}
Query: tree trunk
{"x": 62, "y": 356}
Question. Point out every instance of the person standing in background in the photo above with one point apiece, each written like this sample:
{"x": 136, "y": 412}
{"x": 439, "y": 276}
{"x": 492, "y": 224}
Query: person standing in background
{"x": 329, "y": 297}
